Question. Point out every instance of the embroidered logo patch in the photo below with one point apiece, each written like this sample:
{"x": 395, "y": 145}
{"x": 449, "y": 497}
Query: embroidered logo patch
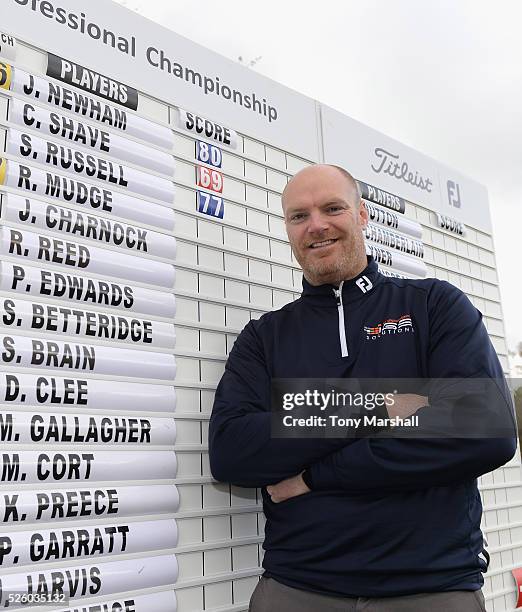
{"x": 390, "y": 327}
{"x": 364, "y": 284}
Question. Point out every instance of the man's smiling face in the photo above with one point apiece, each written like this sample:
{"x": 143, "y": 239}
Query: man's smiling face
{"x": 324, "y": 220}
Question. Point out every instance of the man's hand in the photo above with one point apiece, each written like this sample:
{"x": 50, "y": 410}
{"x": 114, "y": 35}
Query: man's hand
{"x": 286, "y": 489}
{"x": 405, "y": 404}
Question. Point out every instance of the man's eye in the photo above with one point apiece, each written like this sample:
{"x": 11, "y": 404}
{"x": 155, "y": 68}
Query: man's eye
{"x": 297, "y": 217}
{"x": 334, "y": 208}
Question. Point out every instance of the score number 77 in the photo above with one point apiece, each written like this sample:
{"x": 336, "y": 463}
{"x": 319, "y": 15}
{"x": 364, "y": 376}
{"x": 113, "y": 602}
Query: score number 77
{"x": 209, "y": 204}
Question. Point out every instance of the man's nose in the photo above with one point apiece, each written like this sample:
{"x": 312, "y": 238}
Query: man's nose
{"x": 317, "y": 223}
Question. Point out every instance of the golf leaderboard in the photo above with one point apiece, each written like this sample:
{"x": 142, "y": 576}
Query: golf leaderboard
{"x": 140, "y": 230}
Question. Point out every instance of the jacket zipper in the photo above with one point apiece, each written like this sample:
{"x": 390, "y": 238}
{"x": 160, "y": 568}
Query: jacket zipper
{"x": 342, "y": 331}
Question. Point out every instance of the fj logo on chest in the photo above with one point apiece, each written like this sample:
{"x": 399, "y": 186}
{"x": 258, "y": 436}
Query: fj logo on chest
{"x": 390, "y": 327}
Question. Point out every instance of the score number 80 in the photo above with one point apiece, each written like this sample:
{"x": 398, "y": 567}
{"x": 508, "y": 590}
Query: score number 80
{"x": 209, "y": 154}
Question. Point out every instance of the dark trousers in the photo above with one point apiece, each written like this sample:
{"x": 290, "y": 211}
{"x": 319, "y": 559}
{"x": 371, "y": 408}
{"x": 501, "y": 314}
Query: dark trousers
{"x": 272, "y": 596}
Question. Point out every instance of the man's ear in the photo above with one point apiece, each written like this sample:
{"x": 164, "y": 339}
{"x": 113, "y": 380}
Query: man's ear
{"x": 363, "y": 214}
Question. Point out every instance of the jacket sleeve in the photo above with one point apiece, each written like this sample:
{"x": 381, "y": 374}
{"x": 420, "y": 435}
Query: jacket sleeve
{"x": 459, "y": 347}
{"x": 241, "y": 448}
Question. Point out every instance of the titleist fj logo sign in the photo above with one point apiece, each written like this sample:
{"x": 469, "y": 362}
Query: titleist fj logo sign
{"x": 390, "y": 163}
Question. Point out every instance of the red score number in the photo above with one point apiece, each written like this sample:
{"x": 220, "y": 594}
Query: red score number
{"x": 209, "y": 179}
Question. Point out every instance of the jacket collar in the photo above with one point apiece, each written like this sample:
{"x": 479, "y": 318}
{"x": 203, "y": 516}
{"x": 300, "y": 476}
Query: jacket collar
{"x": 353, "y": 289}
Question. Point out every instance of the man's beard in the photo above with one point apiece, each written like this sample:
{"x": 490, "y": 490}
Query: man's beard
{"x": 317, "y": 272}
{"x": 333, "y": 272}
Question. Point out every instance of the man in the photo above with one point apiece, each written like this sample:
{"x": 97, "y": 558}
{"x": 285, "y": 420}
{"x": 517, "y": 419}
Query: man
{"x": 373, "y": 524}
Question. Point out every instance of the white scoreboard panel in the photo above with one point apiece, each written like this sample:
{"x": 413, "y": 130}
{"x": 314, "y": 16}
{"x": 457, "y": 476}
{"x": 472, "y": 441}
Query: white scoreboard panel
{"x": 140, "y": 230}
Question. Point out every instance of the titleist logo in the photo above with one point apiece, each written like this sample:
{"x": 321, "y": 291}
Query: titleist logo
{"x": 391, "y": 164}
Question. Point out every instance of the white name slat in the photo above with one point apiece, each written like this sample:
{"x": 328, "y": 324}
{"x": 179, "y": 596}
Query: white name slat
{"x": 397, "y": 261}
{"x": 96, "y": 198}
{"x": 48, "y": 545}
{"x": 114, "y": 502}
{"x": 94, "y": 138}
{"x": 27, "y": 428}
{"x": 25, "y": 352}
{"x": 73, "y": 223}
{"x": 33, "y": 467}
{"x": 29, "y": 280}
{"x": 63, "y": 320}
{"x": 43, "y": 249}
{"x": 85, "y": 106}
{"x": 104, "y": 395}
{"x": 393, "y": 220}
{"x": 90, "y": 580}
{"x": 87, "y": 166}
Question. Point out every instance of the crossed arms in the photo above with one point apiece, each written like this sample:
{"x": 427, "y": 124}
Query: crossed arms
{"x": 243, "y": 452}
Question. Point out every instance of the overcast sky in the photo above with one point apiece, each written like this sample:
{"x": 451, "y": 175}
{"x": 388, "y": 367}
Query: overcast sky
{"x": 444, "y": 77}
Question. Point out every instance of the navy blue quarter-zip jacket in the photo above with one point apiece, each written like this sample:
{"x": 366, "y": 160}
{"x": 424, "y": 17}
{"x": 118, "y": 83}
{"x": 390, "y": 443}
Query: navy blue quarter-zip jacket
{"x": 386, "y": 516}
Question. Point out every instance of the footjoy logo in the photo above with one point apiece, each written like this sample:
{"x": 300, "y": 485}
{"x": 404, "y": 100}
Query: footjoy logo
{"x": 391, "y": 164}
{"x": 453, "y": 194}
{"x": 364, "y": 284}
{"x": 390, "y": 327}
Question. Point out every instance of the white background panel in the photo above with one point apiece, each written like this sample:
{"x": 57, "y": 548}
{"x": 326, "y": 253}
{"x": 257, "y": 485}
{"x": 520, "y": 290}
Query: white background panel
{"x": 186, "y": 173}
{"x": 219, "y": 593}
{"x": 255, "y": 173}
{"x": 189, "y": 432}
{"x": 294, "y": 164}
{"x": 275, "y": 158}
{"x": 210, "y": 232}
{"x": 183, "y": 145}
{"x": 253, "y": 148}
{"x": 243, "y": 588}
{"x": 274, "y": 202}
{"x": 8, "y": 46}
{"x": 276, "y": 180}
{"x": 234, "y": 190}
{"x": 233, "y": 163}
{"x": 190, "y": 598}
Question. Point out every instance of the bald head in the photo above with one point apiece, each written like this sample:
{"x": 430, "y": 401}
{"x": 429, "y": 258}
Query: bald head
{"x": 324, "y": 172}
